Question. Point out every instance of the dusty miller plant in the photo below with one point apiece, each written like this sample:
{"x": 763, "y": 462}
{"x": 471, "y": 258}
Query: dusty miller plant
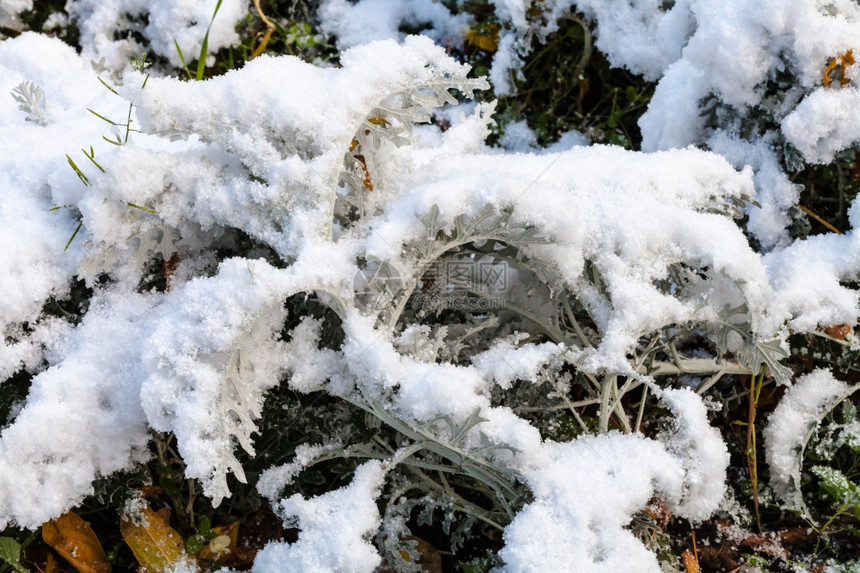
{"x": 458, "y": 280}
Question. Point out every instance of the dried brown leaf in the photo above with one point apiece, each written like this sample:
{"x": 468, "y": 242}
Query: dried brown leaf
{"x": 74, "y": 539}
{"x": 838, "y": 331}
{"x": 691, "y": 564}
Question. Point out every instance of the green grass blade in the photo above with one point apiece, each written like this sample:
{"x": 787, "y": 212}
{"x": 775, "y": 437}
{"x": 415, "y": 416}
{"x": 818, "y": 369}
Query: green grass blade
{"x": 92, "y": 157}
{"x": 201, "y": 61}
{"x": 78, "y": 171}
{"x": 103, "y": 118}
{"x": 181, "y": 58}
{"x": 108, "y": 87}
{"x": 154, "y": 212}
{"x": 75, "y": 234}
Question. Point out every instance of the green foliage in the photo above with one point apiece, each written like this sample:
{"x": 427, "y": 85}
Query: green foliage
{"x": 201, "y": 538}
{"x": 10, "y": 552}
{"x": 568, "y": 85}
{"x": 478, "y": 565}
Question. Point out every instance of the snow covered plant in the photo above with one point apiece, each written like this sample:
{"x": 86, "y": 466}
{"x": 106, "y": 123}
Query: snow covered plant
{"x": 468, "y": 301}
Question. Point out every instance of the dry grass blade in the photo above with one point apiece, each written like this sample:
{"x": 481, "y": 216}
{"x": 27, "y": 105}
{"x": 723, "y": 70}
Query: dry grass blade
{"x": 271, "y": 28}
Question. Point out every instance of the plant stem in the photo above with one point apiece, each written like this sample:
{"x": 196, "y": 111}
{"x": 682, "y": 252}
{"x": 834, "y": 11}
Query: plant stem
{"x": 755, "y": 388}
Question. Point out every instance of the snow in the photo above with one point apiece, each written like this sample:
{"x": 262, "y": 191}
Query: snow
{"x": 356, "y": 23}
{"x": 824, "y": 123}
{"x": 83, "y": 418}
{"x": 11, "y": 10}
{"x": 571, "y": 528}
{"x": 162, "y": 24}
{"x": 789, "y": 426}
{"x": 274, "y": 480}
{"x": 335, "y": 529}
{"x": 505, "y": 361}
{"x": 261, "y": 152}
{"x": 582, "y": 528}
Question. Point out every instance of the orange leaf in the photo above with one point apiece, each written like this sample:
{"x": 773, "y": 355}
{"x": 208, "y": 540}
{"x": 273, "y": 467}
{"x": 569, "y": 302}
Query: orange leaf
{"x": 74, "y": 539}
{"x": 366, "y": 181}
{"x": 691, "y": 564}
{"x": 155, "y": 544}
{"x": 379, "y": 120}
{"x": 51, "y": 564}
{"x": 838, "y": 331}
{"x": 836, "y": 69}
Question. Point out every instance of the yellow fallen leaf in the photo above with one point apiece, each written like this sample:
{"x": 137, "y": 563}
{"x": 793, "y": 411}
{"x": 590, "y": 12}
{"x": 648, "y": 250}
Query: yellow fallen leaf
{"x": 838, "y": 331}
{"x": 429, "y": 557}
{"x": 51, "y": 564}
{"x": 155, "y": 544}
{"x": 74, "y": 539}
{"x": 484, "y": 36}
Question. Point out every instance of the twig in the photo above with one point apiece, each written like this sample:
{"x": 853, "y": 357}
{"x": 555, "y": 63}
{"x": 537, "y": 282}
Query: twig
{"x": 271, "y": 28}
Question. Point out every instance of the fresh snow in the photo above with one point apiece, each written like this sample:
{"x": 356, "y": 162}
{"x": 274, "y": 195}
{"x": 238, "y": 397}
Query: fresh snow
{"x": 791, "y": 425}
{"x": 261, "y": 151}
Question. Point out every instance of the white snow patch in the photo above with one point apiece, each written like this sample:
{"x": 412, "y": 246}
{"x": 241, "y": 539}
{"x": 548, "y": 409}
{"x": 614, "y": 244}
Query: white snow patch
{"x": 335, "y": 529}
{"x": 796, "y": 415}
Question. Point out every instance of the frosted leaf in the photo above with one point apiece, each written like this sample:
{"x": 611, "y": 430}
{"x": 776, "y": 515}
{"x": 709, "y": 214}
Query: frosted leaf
{"x": 31, "y": 99}
{"x": 791, "y": 425}
{"x": 210, "y": 360}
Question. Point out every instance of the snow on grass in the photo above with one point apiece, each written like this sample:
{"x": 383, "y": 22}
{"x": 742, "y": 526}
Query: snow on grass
{"x": 109, "y": 28}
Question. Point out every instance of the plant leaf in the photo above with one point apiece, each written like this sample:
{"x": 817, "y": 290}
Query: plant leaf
{"x": 74, "y": 539}
{"x": 10, "y": 552}
{"x": 155, "y": 544}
